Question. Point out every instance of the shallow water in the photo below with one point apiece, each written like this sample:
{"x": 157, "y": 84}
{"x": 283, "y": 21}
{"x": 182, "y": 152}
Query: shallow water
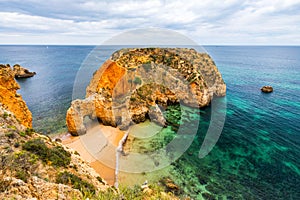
{"x": 258, "y": 153}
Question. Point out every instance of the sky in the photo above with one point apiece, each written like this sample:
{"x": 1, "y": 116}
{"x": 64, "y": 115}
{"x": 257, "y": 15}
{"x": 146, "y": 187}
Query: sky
{"x": 207, "y": 22}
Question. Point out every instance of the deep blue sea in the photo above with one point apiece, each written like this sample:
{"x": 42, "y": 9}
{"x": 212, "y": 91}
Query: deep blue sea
{"x": 258, "y": 153}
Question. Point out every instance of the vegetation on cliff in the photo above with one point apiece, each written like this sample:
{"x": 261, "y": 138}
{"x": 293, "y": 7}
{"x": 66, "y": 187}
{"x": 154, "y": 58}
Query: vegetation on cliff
{"x": 31, "y": 163}
{"x": 130, "y": 86}
{"x": 33, "y": 166}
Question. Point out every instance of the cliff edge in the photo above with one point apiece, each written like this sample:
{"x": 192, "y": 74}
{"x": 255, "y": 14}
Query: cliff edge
{"x": 10, "y": 99}
{"x": 138, "y": 84}
{"x": 32, "y": 166}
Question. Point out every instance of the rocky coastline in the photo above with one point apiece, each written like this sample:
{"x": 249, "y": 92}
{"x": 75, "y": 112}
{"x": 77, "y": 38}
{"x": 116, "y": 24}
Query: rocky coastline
{"x": 9, "y": 97}
{"x": 34, "y": 166}
{"x": 19, "y": 71}
{"x": 138, "y": 84}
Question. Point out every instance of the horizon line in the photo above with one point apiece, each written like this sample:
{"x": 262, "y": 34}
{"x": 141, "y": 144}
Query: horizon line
{"x": 278, "y": 45}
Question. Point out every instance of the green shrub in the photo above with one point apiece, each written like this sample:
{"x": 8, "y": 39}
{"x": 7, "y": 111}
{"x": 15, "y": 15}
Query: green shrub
{"x": 132, "y": 193}
{"x": 17, "y": 144}
{"x": 169, "y": 61}
{"x": 56, "y": 156}
{"x": 126, "y": 193}
{"x": 132, "y": 99}
{"x": 29, "y": 131}
{"x": 147, "y": 67}
{"x": 23, "y": 134}
{"x": 59, "y": 157}
{"x": 12, "y": 127}
{"x": 137, "y": 81}
{"x": 5, "y": 115}
{"x": 22, "y": 174}
{"x": 25, "y": 156}
{"x": 109, "y": 194}
{"x": 21, "y": 164}
{"x": 10, "y": 135}
{"x": 4, "y": 184}
{"x": 76, "y": 182}
{"x": 135, "y": 193}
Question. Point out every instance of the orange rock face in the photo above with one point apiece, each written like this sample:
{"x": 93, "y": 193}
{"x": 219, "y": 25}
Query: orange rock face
{"x": 10, "y": 99}
{"x": 104, "y": 82}
{"x": 106, "y": 78}
{"x": 129, "y": 86}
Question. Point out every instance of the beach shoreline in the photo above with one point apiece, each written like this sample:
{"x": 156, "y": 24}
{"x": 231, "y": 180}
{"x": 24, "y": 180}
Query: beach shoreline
{"x": 106, "y": 140}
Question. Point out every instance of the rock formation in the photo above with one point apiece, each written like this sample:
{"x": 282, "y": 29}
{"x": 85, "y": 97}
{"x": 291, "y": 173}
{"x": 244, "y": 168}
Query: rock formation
{"x": 267, "y": 89}
{"x": 10, "y": 99}
{"x": 136, "y": 84}
{"x": 35, "y": 167}
{"x": 32, "y": 166}
{"x": 21, "y": 72}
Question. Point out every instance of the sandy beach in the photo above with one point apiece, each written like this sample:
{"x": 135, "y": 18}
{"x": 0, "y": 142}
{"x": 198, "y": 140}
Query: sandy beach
{"x": 98, "y": 147}
{"x": 99, "y": 143}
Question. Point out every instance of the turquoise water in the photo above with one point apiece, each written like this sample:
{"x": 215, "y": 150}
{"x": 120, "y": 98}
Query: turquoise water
{"x": 258, "y": 153}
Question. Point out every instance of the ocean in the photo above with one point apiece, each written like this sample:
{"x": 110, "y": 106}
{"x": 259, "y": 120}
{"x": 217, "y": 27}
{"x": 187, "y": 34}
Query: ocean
{"x": 258, "y": 153}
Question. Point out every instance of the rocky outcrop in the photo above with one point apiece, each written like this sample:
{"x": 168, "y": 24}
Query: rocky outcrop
{"x": 267, "y": 89}
{"x": 21, "y": 72}
{"x": 32, "y": 166}
{"x": 10, "y": 99}
{"x": 138, "y": 84}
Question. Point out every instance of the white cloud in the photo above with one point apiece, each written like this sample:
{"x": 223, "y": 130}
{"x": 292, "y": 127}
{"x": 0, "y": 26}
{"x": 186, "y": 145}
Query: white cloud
{"x": 206, "y": 21}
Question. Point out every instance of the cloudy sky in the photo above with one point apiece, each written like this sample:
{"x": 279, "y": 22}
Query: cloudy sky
{"x": 275, "y": 22}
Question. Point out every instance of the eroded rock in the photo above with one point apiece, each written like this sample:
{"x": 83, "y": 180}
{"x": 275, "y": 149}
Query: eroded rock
{"x": 9, "y": 97}
{"x": 21, "y": 72}
{"x": 137, "y": 84}
{"x": 267, "y": 89}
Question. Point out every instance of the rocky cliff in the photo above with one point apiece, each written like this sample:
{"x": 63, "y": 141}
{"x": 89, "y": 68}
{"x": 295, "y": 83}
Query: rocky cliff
{"x": 32, "y": 166}
{"x": 136, "y": 84}
{"x": 21, "y": 72}
{"x": 9, "y": 97}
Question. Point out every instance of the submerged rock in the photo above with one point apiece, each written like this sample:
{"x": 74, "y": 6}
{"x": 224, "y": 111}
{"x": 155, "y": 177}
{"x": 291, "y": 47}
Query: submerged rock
{"x": 267, "y": 89}
{"x": 137, "y": 84}
{"x": 170, "y": 185}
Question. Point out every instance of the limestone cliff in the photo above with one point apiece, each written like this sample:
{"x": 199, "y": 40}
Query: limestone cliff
{"x": 9, "y": 97}
{"x": 34, "y": 166}
{"x": 136, "y": 84}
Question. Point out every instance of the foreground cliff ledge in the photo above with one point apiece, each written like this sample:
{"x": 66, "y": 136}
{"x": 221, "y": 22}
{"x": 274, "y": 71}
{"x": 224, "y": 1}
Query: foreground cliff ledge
{"x": 32, "y": 166}
{"x": 134, "y": 84}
